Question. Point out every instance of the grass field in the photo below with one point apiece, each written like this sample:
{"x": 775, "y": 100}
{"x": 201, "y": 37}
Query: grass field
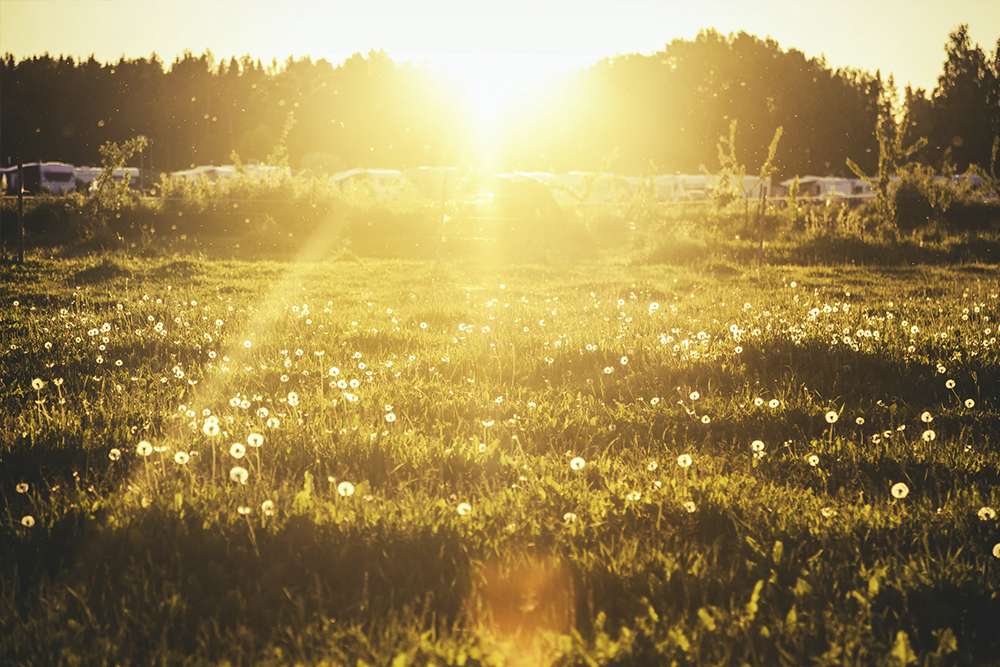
{"x": 393, "y": 463}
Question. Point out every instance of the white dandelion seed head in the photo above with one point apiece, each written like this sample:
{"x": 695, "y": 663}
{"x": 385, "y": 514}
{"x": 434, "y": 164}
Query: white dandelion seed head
{"x": 690, "y": 507}
{"x": 757, "y": 445}
{"x": 37, "y": 384}
{"x": 996, "y": 550}
{"x": 773, "y": 403}
{"x": 860, "y": 421}
{"x": 267, "y": 508}
{"x": 255, "y": 439}
{"x": 237, "y": 451}
{"x": 345, "y": 489}
{"x": 569, "y": 517}
{"x": 577, "y": 463}
{"x": 464, "y": 509}
{"x": 926, "y": 417}
{"x": 832, "y": 417}
{"x": 694, "y": 396}
{"x": 22, "y": 487}
{"x": 684, "y": 460}
{"x": 144, "y": 448}
{"x": 950, "y": 384}
{"x": 28, "y": 521}
{"x": 986, "y": 513}
{"x": 813, "y": 460}
{"x": 115, "y": 454}
{"x": 243, "y": 510}
{"x": 211, "y": 429}
{"x": 758, "y": 401}
{"x": 651, "y": 466}
{"x": 239, "y": 474}
{"x": 181, "y": 458}
{"x": 900, "y": 490}
{"x": 706, "y": 419}
{"x": 390, "y": 417}
{"x": 928, "y": 435}
{"x": 969, "y": 403}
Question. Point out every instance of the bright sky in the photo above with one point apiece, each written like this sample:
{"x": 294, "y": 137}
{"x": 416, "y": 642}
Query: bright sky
{"x": 495, "y": 47}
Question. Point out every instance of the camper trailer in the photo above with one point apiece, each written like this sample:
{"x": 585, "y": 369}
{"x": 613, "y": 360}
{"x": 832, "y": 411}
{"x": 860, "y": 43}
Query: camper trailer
{"x": 52, "y": 177}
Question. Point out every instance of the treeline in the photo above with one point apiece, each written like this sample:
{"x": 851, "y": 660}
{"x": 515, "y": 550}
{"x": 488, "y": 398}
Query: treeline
{"x": 667, "y": 110}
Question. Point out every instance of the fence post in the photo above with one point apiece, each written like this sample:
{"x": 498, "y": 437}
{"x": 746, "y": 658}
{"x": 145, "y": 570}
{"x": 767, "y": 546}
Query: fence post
{"x": 763, "y": 206}
{"x": 444, "y": 217}
{"x": 20, "y": 212}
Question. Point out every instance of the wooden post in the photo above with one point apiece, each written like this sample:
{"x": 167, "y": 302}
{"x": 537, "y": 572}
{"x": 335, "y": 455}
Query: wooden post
{"x": 763, "y": 206}
{"x": 444, "y": 217}
{"x": 20, "y": 212}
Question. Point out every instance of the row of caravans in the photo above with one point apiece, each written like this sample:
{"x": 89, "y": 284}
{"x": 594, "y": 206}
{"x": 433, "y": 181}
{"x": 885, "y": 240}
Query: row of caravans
{"x": 56, "y": 178}
{"x": 434, "y": 182}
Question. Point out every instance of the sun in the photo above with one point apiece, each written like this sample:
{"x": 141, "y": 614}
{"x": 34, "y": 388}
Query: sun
{"x": 493, "y": 86}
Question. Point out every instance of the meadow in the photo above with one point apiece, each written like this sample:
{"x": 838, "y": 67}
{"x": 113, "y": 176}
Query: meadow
{"x": 392, "y": 462}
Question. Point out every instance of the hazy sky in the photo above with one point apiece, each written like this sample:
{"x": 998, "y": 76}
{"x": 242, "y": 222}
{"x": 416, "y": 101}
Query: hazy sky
{"x": 495, "y": 46}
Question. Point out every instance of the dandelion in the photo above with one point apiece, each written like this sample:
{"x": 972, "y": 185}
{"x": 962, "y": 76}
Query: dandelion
{"x": 239, "y": 474}
{"x": 653, "y": 307}
{"x": 345, "y": 489}
{"x": 996, "y": 550}
{"x": 706, "y": 419}
{"x": 694, "y": 396}
{"x": 773, "y": 403}
{"x": 577, "y": 463}
{"x": 684, "y": 460}
{"x": 255, "y": 440}
{"x": 334, "y": 371}
{"x": 115, "y": 454}
{"x": 651, "y": 466}
{"x": 390, "y": 417}
{"x": 928, "y": 435}
{"x": 950, "y": 384}
{"x": 37, "y": 384}
{"x": 813, "y": 460}
{"x": 21, "y": 487}
{"x": 247, "y": 344}
{"x": 757, "y": 446}
{"x": 832, "y": 417}
{"x": 262, "y": 413}
{"x": 569, "y": 517}
{"x": 243, "y": 510}
{"x": 969, "y": 403}
{"x": 267, "y": 508}
{"x": 237, "y": 451}
{"x": 211, "y": 429}
{"x": 181, "y": 458}
{"x": 690, "y": 507}
{"x": 986, "y": 513}
{"x": 828, "y": 512}
{"x": 464, "y": 509}
{"x": 273, "y": 422}
{"x": 293, "y": 399}
{"x": 624, "y": 361}
{"x": 144, "y": 448}
{"x": 28, "y": 521}
{"x": 900, "y": 490}
{"x": 758, "y": 401}
{"x": 860, "y": 421}
{"x": 608, "y": 370}
{"x": 926, "y": 418}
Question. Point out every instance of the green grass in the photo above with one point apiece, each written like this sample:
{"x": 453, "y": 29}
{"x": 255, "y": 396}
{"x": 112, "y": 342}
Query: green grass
{"x": 469, "y": 537}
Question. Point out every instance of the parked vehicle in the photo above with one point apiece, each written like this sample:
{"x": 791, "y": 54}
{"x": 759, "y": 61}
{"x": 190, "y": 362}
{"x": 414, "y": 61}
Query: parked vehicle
{"x": 53, "y": 177}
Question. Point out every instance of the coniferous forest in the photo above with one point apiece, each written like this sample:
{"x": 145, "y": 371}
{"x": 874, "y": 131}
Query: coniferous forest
{"x": 668, "y": 108}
